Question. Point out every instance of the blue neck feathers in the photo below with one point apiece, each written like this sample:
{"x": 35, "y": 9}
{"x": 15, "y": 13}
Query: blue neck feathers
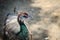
{"x": 23, "y": 29}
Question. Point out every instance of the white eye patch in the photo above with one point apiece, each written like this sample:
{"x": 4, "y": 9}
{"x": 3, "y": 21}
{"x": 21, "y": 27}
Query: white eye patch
{"x": 22, "y": 18}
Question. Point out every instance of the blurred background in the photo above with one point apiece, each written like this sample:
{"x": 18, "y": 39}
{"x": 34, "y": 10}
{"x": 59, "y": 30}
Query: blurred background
{"x": 45, "y": 22}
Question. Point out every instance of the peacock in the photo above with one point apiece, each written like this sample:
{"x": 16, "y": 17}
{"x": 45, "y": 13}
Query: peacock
{"x": 15, "y": 26}
{"x": 23, "y": 33}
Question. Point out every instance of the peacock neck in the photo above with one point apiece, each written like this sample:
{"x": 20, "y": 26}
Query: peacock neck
{"x": 23, "y": 27}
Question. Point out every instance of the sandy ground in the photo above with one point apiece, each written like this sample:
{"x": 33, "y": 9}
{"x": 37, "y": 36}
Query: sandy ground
{"x": 45, "y": 23}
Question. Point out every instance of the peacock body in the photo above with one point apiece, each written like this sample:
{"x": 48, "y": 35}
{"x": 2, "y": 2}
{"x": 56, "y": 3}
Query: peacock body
{"x": 17, "y": 27}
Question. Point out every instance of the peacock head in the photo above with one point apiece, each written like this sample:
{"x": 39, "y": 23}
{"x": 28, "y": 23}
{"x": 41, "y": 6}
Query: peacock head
{"x": 22, "y": 16}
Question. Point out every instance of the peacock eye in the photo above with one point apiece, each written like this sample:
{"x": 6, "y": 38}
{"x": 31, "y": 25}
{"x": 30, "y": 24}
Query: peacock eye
{"x": 25, "y": 16}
